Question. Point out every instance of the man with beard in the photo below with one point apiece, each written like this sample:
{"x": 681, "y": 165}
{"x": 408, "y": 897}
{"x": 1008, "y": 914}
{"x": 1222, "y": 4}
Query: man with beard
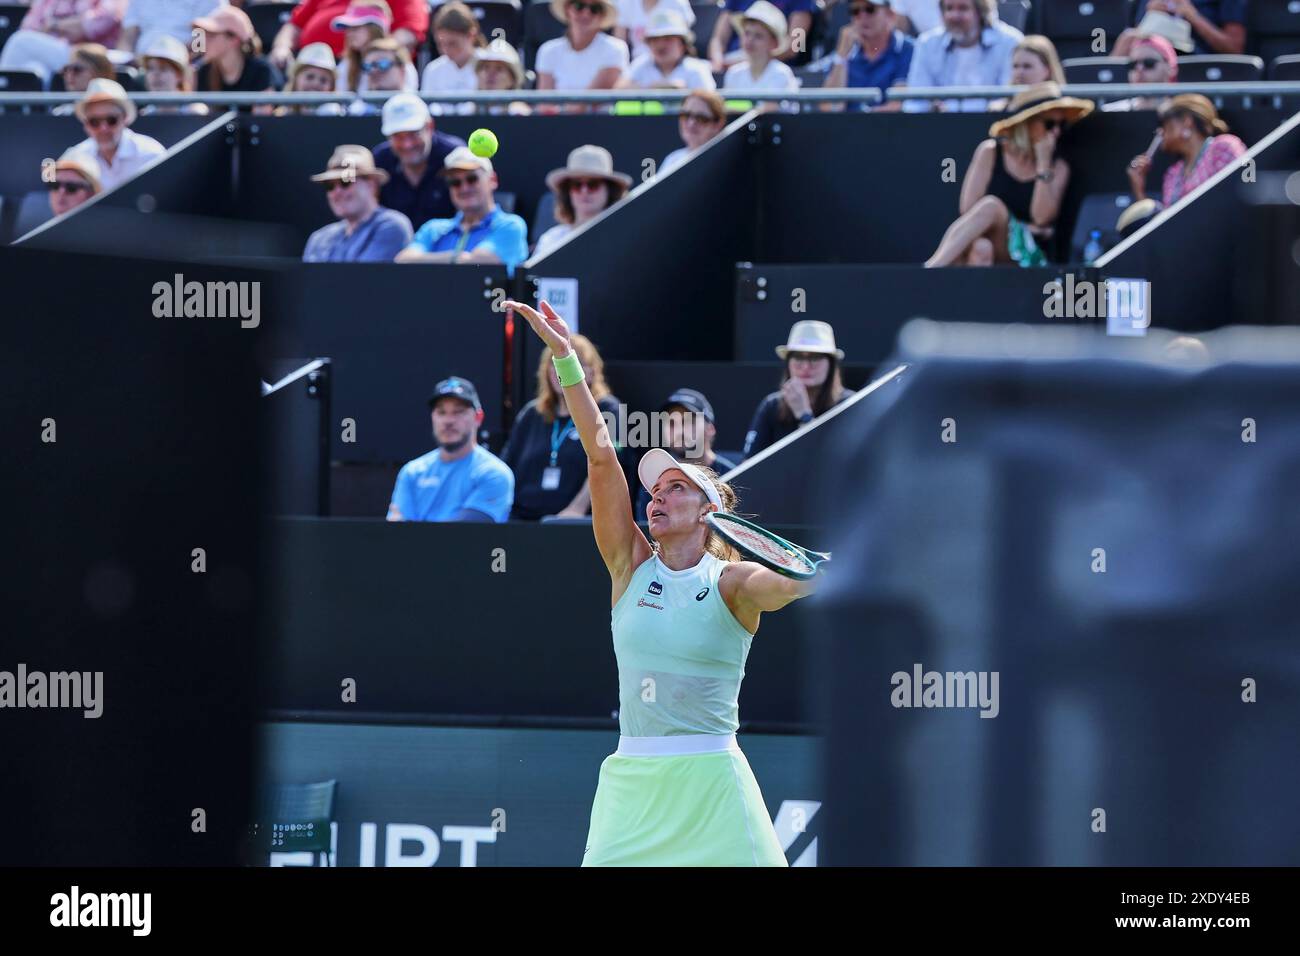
{"x": 459, "y": 480}
{"x": 413, "y": 157}
{"x": 687, "y": 434}
{"x": 973, "y": 48}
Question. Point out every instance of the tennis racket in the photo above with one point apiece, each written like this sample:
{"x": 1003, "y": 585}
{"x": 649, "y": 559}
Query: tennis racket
{"x": 768, "y": 549}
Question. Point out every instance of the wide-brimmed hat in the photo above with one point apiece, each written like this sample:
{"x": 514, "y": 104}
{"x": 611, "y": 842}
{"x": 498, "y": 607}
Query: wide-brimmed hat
{"x": 656, "y": 461}
{"x": 810, "y": 336}
{"x": 1197, "y": 105}
{"x": 358, "y": 14}
{"x": 227, "y": 19}
{"x": 609, "y": 18}
{"x": 101, "y": 90}
{"x": 1037, "y": 99}
{"x": 770, "y": 16}
{"x": 593, "y": 161}
{"x": 85, "y": 168}
{"x": 1174, "y": 29}
{"x": 164, "y": 46}
{"x": 668, "y": 23}
{"x": 462, "y": 159}
{"x": 502, "y": 51}
{"x": 351, "y": 162}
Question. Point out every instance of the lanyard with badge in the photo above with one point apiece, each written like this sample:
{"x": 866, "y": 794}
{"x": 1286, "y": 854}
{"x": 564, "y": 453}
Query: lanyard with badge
{"x": 551, "y": 474}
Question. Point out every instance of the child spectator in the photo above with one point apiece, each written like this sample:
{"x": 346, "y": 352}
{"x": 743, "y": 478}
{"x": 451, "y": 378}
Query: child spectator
{"x": 456, "y": 32}
{"x": 362, "y": 24}
{"x": 669, "y": 61}
{"x": 763, "y": 38}
{"x": 167, "y": 70}
{"x": 497, "y": 67}
{"x": 635, "y": 15}
{"x": 232, "y": 62}
{"x": 725, "y": 49}
{"x": 313, "y": 70}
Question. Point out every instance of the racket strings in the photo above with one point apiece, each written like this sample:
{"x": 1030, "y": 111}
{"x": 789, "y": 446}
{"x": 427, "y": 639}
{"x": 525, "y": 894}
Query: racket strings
{"x": 760, "y": 543}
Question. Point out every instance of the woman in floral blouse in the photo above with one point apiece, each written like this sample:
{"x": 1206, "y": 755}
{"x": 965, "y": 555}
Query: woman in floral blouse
{"x": 1193, "y": 132}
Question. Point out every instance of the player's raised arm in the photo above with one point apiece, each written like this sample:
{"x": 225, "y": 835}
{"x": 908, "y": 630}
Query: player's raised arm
{"x": 621, "y": 543}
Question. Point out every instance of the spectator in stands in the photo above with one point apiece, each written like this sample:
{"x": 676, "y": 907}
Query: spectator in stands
{"x": 917, "y": 16}
{"x": 50, "y": 29}
{"x": 1034, "y": 60}
{"x": 75, "y": 181}
{"x": 1151, "y": 59}
{"x": 232, "y": 61}
{"x": 973, "y": 49}
{"x": 548, "y": 462}
{"x": 147, "y": 19}
{"x": 763, "y": 38}
{"x": 702, "y": 117}
{"x": 871, "y": 51}
{"x": 459, "y": 480}
{"x": 498, "y": 67}
{"x": 365, "y": 230}
{"x": 313, "y": 70}
{"x": 669, "y": 61}
{"x": 167, "y": 70}
{"x": 313, "y": 22}
{"x": 481, "y": 231}
{"x": 413, "y": 156}
{"x": 810, "y": 385}
{"x": 1198, "y": 139}
{"x": 455, "y": 30}
{"x": 1215, "y": 26}
{"x": 86, "y": 62}
{"x": 106, "y": 114}
{"x": 634, "y": 16}
{"x": 584, "y": 188}
{"x": 584, "y": 58}
{"x": 1012, "y": 191}
{"x": 387, "y": 68}
{"x": 687, "y": 435}
{"x": 726, "y": 49}
{"x": 365, "y": 22}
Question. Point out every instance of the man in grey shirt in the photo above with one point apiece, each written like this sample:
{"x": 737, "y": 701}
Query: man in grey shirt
{"x": 365, "y": 231}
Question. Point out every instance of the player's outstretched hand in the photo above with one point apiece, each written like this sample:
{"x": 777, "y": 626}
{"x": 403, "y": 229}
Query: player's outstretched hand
{"x": 548, "y": 325}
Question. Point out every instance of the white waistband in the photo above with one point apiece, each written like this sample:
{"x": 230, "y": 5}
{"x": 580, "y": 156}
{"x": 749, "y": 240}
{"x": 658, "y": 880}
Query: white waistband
{"x": 676, "y": 746}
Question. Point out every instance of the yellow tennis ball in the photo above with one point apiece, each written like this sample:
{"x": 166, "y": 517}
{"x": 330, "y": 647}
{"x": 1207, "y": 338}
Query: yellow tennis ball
{"x": 483, "y": 142}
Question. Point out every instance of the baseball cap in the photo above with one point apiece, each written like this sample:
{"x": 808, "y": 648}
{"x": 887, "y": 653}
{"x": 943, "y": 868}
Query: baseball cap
{"x": 462, "y": 158}
{"x": 656, "y": 461}
{"x": 457, "y": 388}
{"x": 690, "y": 398}
{"x": 404, "y": 113}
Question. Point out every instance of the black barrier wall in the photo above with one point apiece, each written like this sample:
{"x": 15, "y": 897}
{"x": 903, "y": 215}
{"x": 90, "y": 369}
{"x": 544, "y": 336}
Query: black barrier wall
{"x": 460, "y": 620}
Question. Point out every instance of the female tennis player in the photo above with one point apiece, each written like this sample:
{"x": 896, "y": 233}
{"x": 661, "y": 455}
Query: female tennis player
{"x": 679, "y": 791}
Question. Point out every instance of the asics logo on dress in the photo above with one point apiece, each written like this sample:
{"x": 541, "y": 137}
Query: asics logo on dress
{"x": 702, "y": 595}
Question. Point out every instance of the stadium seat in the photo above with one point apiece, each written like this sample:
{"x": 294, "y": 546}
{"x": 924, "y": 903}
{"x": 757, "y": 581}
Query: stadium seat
{"x": 131, "y": 79}
{"x": 1273, "y": 28}
{"x": 1096, "y": 69}
{"x": 1285, "y": 68}
{"x": 506, "y": 201}
{"x": 11, "y": 17}
{"x": 836, "y": 19}
{"x": 296, "y": 817}
{"x": 539, "y": 26}
{"x": 506, "y": 16}
{"x": 20, "y": 81}
{"x": 1070, "y": 23}
{"x": 812, "y": 76}
{"x": 33, "y": 210}
{"x": 1220, "y": 68}
{"x": 1098, "y": 211}
{"x": 544, "y": 218}
{"x": 706, "y": 17}
{"x": 1015, "y": 13}
{"x": 268, "y": 18}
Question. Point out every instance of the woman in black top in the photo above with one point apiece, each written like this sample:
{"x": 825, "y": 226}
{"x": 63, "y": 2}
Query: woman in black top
{"x": 544, "y": 451}
{"x": 232, "y": 60}
{"x": 810, "y": 386}
{"x": 1012, "y": 192}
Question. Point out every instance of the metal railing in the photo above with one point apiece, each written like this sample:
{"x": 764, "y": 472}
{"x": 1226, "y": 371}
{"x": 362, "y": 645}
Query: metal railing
{"x": 1102, "y": 91}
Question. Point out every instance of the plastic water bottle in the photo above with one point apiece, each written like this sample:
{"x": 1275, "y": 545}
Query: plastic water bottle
{"x": 1093, "y": 250}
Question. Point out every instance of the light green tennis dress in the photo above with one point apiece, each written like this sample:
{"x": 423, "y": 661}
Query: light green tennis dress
{"x": 679, "y": 791}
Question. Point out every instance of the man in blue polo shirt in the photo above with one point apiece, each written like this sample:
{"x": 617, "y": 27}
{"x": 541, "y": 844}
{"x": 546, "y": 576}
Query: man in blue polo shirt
{"x": 871, "y": 51}
{"x": 459, "y": 480}
{"x": 412, "y": 157}
{"x": 480, "y": 232}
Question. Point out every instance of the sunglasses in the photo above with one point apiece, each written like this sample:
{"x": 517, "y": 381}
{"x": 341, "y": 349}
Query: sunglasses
{"x": 1146, "y": 63}
{"x": 858, "y": 9}
{"x": 75, "y": 68}
{"x": 71, "y": 188}
{"x": 585, "y": 185}
{"x": 704, "y": 119}
{"x": 1052, "y": 125}
{"x": 589, "y": 7}
{"x": 332, "y": 184}
{"x": 95, "y": 122}
{"x": 458, "y": 181}
{"x": 377, "y": 66}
